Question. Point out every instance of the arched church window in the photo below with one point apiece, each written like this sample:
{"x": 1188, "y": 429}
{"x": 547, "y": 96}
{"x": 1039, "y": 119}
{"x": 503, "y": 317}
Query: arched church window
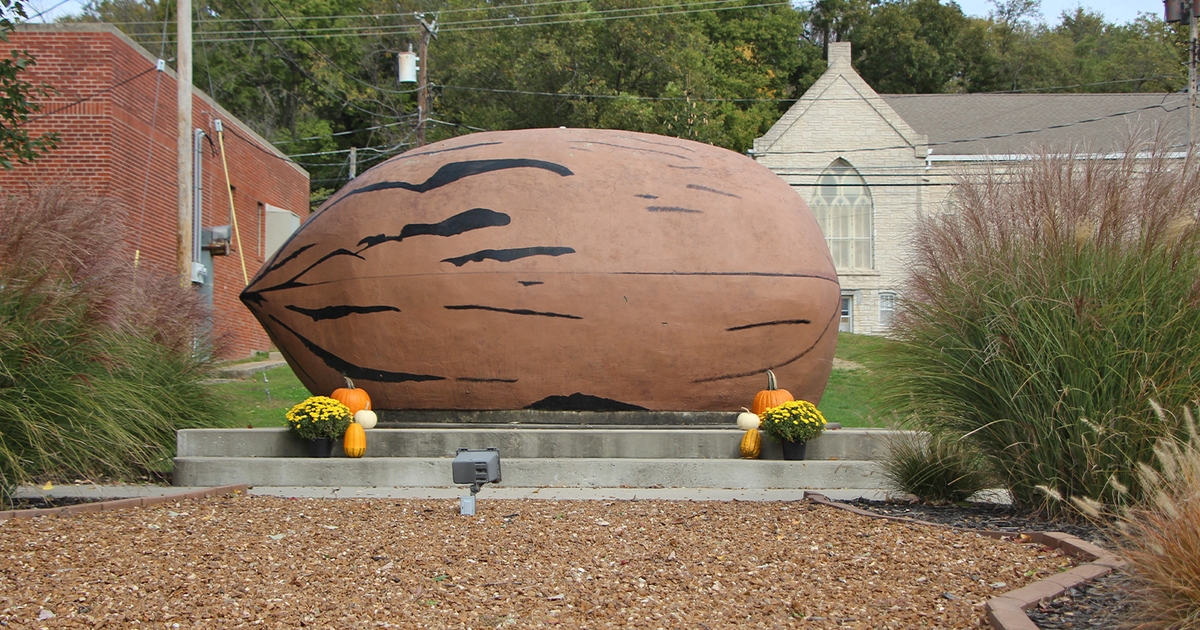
{"x": 842, "y": 205}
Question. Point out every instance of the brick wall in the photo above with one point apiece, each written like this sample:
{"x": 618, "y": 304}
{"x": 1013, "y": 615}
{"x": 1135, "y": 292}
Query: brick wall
{"x": 122, "y": 144}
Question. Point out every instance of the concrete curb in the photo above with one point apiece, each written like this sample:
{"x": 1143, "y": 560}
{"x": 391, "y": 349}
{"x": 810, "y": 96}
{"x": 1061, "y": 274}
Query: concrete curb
{"x": 125, "y": 504}
{"x": 1007, "y": 611}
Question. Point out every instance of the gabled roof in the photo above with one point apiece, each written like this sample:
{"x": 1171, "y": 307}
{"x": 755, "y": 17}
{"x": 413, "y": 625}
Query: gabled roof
{"x": 839, "y": 70}
{"x": 1002, "y": 124}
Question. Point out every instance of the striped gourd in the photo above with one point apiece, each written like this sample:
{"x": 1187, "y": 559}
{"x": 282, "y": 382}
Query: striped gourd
{"x": 751, "y": 444}
{"x": 354, "y": 443}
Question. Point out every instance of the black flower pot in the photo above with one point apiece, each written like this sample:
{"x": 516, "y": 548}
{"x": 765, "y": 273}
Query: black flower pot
{"x": 793, "y": 450}
{"x": 321, "y": 447}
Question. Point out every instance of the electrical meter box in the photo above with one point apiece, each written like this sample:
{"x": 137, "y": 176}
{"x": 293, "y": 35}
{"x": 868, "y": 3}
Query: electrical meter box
{"x": 477, "y": 466}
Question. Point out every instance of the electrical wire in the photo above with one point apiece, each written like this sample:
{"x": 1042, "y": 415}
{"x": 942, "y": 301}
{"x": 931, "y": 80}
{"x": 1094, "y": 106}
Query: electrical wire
{"x": 322, "y": 55}
{"x": 294, "y": 63}
{"x": 162, "y": 52}
{"x": 591, "y": 16}
{"x": 1077, "y": 85}
{"x": 979, "y": 138}
{"x": 45, "y": 11}
{"x": 382, "y": 15}
{"x": 88, "y": 97}
{"x": 347, "y": 133}
{"x": 623, "y": 96}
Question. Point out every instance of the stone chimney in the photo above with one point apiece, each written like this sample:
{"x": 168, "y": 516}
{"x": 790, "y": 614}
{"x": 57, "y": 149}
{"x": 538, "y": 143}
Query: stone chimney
{"x": 839, "y": 54}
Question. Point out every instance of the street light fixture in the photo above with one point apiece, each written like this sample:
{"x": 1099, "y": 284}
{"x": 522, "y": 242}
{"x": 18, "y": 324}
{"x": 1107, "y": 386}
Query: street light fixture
{"x": 476, "y": 467}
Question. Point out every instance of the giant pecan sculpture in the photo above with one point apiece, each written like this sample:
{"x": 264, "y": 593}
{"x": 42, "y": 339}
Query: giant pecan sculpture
{"x": 556, "y": 269}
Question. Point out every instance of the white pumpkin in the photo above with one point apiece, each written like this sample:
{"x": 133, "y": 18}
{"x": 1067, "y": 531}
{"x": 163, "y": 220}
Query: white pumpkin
{"x": 747, "y": 420}
{"x": 366, "y": 418}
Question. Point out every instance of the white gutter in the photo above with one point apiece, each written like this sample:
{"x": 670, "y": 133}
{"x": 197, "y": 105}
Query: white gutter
{"x": 1022, "y": 157}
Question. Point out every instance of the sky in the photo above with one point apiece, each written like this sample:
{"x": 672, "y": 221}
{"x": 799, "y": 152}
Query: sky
{"x": 1118, "y": 11}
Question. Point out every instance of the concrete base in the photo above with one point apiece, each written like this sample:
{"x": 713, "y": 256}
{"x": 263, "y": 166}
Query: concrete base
{"x": 535, "y": 442}
{"x": 502, "y": 492}
{"x": 519, "y": 472}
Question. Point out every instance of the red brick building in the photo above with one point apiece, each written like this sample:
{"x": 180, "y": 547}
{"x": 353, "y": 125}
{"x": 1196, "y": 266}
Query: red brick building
{"x": 116, "y": 118}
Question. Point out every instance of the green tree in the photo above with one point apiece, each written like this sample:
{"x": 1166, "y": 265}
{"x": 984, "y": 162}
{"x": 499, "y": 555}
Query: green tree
{"x": 17, "y": 106}
{"x": 911, "y": 46}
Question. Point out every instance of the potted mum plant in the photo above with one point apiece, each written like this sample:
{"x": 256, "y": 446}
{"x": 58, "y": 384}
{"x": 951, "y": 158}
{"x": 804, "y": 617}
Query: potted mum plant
{"x": 320, "y": 420}
{"x": 793, "y": 423}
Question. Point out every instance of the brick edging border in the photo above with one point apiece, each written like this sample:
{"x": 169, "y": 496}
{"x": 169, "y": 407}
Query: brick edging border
{"x": 125, "y": 504}
{"x": 1007, "y": 611}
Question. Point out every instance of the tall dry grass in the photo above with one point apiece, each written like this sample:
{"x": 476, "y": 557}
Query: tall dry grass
{"x": 99, "y": 364}
{"x": 1046, "y": 310}
{"x": 1158, "y": 535}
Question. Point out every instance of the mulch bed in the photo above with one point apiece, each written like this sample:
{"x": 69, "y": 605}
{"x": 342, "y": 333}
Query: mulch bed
{"x": 347, "y": 563}
{"x": 1103, "y": 603}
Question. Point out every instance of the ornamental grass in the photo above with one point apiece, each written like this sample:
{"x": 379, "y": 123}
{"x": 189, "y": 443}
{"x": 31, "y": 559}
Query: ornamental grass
{"x": 1158, "y": 535}
{"x": 935, "y": 467}
{"x": 99, "y": 364}
{"x": 1047, "y": 305}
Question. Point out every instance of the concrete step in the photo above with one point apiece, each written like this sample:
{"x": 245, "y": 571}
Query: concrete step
{"x": 527, "y": 442}
{"x": 529, "y": 473}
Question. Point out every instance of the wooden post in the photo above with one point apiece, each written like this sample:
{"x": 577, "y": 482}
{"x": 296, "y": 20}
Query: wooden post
{"x": 1192, "y": 76}
{"x": 427, "y": 30}
{"x": 183, "y": 78}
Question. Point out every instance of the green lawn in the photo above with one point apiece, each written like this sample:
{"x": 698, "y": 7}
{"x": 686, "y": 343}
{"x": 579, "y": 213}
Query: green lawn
{"x": 847, "y": 398}
{"x": 250, "y": 401}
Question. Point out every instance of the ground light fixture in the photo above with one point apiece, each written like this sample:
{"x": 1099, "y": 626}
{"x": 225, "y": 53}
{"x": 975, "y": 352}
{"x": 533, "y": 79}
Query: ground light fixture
{"x": 475, "y": 466}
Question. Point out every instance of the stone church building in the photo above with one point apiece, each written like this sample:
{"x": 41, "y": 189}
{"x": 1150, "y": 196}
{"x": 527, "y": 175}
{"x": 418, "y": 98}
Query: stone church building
{"x": 868, "y": 164}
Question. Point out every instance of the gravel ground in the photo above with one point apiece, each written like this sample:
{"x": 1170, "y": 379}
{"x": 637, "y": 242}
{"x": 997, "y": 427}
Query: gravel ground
{"x": 251, "y": 560}
{"x": 1103, "y": 603}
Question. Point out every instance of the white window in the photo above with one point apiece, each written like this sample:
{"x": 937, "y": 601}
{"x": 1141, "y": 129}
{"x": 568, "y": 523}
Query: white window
{"x": 847, "y": 322}
{"x": 280, "y": 224}
{"x": 887, "y": 309}
{"x": 843, "y": 208}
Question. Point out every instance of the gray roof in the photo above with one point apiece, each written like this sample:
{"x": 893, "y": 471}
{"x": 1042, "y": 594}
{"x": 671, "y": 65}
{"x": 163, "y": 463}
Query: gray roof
{"x": 999, "y": 124}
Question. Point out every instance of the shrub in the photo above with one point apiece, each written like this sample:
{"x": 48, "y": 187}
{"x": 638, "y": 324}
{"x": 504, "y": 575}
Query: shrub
{"x": 937, "y": 468}
{"x": 1047, "y": 308}
{"x": 98, "y": 366}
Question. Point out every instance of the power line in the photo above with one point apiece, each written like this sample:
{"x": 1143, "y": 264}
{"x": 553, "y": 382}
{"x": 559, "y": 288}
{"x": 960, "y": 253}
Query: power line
{"x": 622, "y": 17}
{"x": 294, "y": 63}
{"x": 979, "y": 138}
{"x": 322, "y": 55}
{"x": 699, "y": 99}
{"x": 351, "y": 16}
{"x": 88, "y": 97}
{"x": 1077, "y": 85}
{"x": 45, "y": 11}
{"x": 536, "y": 20}
{"x": 347, "y": 133}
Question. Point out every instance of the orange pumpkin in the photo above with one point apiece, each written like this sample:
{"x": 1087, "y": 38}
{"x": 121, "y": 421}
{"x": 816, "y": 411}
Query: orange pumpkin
{"x": 354, "y": 398}
{"x": 769, "y": 397}
{"x": 354, "y": 443}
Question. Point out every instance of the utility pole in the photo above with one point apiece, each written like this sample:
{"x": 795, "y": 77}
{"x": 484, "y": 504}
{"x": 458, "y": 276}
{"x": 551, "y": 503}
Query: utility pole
{"x": 1192, "y": 76}
{"x": 427, "y": 30}
{"x": 183, "y": 78}
{"x": 353, "y": 162}
{"x": 1185, "y": 11}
